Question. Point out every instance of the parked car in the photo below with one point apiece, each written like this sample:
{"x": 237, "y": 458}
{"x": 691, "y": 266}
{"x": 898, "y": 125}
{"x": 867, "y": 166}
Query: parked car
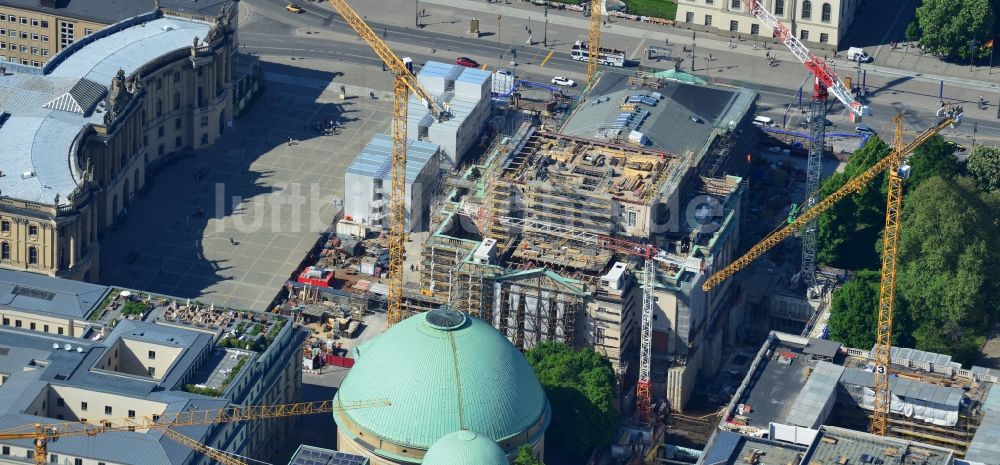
{"x": 958, "y": 148}
{"x": 466, "y": 61}
{"x": 563, "y": 81}
{"x": 294, "y": 8}
{"x": 858, "y": 54}
{"x": 866, "y": 129}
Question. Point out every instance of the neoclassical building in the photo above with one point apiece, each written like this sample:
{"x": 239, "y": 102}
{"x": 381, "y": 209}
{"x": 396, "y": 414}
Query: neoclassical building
{"x": 77, "y": 135}
{"x": 820, "y": 23}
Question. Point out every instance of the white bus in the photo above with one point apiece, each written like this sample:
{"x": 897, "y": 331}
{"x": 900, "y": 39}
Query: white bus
{"x": 606, "y": 56}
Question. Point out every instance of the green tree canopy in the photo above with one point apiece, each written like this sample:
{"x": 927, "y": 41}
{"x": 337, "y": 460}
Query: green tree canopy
{"x": 948, "y": 26}
{"x": 934, "y": 158}
{"x": 849, "y": 230}
{"x": 854, "y": 311}
{"x": 526, "y": 457}
{"x": 581, "y": 388}
{"x": 947, "y": 264}
{"x": 984, "y": 167}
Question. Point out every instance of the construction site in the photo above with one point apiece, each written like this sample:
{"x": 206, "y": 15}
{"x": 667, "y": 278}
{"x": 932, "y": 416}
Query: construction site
{"x": 796, "y": 387}
{"x": 546, "y": 236}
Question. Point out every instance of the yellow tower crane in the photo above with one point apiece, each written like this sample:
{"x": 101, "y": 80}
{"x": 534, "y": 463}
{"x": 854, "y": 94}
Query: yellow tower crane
{"x": 952, "y": 118}
{"x": 594, "y": 38}
{"x": 405, "y": 82}
{"x": 41, "y": 434}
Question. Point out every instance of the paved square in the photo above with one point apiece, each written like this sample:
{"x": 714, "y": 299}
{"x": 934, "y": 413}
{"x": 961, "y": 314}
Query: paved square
{"x": 241, "y": 250}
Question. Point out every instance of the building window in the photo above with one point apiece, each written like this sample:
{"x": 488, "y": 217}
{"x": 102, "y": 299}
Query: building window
{"x": 107, "y": 410}
{"x": 59, "y": 330}
{"x": 804, "y": 35}
{"x": 159, "y": 131}
{"x": 6, "y": 321}
{"x": 44, "y": 23}
{"x": 34, "y": 50}
{"x": 159, "y": 108}
{"x": 87, "y": 31}
{"x": 83, "y": 406}
{"x": 53, "y": 458}
{"x": 3, "y": 32}
{"x": 24, "y": 49}
{"x": 177, "y": 142}
{"x": 734, "y": 26}
{"x": 5, "y": 450}
{"x": 177, "y": 76}
{"x": 689, "y": 17}
{"x": 779, "y": 7}
{"x": 3, "y": 17}
{"x": 826, "y": 12}
{"x": 177, "y": 123}
{"x": 34, "y": 22}
{"x": 24, "y": 35}
{"x": 631, "y": 217}
{"x": 32, "y": 255}
{"x": 17, "y": 323}
{"x": 31, "y": 326}
{"x": 708, "y": 20}
{"x": 735, "y": 5}
{"x": 32, "y": 230}
{"x": 204, "y": 121}
{"x": 45, "y": 38}
{"x": 755, "y": 29}
{"x": 159, "y": 150}
{"x": 709, "y": 2}
{"x": 12, "y": 18}
{"x": 152, "y": 371}
{"x": 177, "y": 101}
{"x": 159, "y": 83}
{"x": 5, "y": 227}
{"x": 807, "y": 9}
{"x": 77, "y": 461}
{"x": 35, "y": 37}
{"x": 60, "y": 402}
{"x": 131, "y": 413}
{"x": 824, "y": 38}
{"x": 152, "y": 355}
{"x": 5, "y": 251}
{"x": 36, "y": 64}
{"x": 45, "y": 328}
{"x": 45, "y": 52}
{"x": 24, "y": 20}
{"x": 204, "y": 138}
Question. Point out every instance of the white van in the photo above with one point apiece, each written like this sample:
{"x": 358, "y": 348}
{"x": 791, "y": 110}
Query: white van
{"x": 858, "y": 54}
{"x": 763, "y": 121}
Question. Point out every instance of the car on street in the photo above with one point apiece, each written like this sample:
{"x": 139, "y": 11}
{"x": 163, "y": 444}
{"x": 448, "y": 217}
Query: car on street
{"x": 866, "y": 129}
{"x": 859, "y": 54}
{"x": 563, "y": 81}
{"x": 467, "y": 62}
{"x": 293, "y": 8}
{"x": 958, "y": 148}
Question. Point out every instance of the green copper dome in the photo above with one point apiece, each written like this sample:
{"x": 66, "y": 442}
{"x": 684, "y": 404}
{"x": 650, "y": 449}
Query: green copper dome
{"x": 443, "y": 372}
{"x": 465, "y": 448}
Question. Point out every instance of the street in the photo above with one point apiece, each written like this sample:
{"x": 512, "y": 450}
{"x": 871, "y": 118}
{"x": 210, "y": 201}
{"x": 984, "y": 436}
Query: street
{"x": 320, "y": 33}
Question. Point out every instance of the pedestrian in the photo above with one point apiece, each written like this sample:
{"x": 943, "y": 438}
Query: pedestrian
{"x": 730, "y": 43}
{"x": 232, "y": 241}
{"x": 768, "y": 55}
{"x": 371, "y": 95}
{"x": 289, "y": 141}
{"x": 710, "y": 57}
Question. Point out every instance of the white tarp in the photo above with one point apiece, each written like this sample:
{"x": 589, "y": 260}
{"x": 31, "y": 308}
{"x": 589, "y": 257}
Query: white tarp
{"x": 913, "y": 408}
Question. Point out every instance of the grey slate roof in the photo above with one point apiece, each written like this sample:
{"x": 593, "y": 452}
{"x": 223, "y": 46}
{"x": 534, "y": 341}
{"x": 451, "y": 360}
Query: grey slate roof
{"x": 810, "y": 408}
{"x": 822, "y": 348}
{"x": 985, "y": 445}
{"x": 49, "y": 111}
{"x": 50, "y": 296}
{"x": 100, "y": 11}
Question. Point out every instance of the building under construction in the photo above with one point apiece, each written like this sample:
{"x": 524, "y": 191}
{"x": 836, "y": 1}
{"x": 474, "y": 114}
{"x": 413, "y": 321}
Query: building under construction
{"x": 535, "y": 237}
{"x": 796, "y": 387}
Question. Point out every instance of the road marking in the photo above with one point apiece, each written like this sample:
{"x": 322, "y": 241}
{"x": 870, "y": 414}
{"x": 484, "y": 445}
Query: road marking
{"x": 484, "y": 66}
{"x": 638, "y": 49}
{"x": 546, "y": 59}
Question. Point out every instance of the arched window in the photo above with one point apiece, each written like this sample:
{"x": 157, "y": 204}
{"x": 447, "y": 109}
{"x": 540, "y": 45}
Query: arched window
{"x": 826, "y": 12}
{"x": 807, "y": 9}
{"x": 32, "y": 255}
{"x": 5, "y": 251}
{"x": 779, "y": 7}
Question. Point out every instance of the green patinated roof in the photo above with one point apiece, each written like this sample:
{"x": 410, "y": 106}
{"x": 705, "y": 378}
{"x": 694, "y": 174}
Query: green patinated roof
{"x": 574, "y": 286}
{"x": 451, "y": 373}
{"x": 680, "y": 76}
{"x": 465, "y": 448}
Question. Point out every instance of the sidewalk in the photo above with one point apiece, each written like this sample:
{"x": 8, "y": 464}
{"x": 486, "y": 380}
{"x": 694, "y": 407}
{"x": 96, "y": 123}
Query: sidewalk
{"x": 893, "y": 62}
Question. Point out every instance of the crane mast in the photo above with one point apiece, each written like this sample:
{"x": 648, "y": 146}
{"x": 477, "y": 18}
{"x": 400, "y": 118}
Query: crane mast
{"x": 404, "y": 83}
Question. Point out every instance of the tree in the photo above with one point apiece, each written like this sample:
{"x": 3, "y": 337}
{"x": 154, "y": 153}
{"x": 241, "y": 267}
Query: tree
{"x": 912, "y": 31}
{"x": 849, "y": 230}
{"x": 854, "y": 311}
{"x": 948, "y": 26}
{"x": 947, "y": 261}
{"x": 934, "y": 158}
{"x": 526, "y": 457}
{"x": 581, "y": 388}
{"x": 984, "y": 167}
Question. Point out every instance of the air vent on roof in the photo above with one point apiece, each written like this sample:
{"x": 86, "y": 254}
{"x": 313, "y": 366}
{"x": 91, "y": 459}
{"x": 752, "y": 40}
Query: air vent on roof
{"x": 67, "y": 346}
{"x": 168, "y": 28}
{"x": 55, "y": 346}
{"x": 48, "y": 3}
{"x": 27, "y": 175}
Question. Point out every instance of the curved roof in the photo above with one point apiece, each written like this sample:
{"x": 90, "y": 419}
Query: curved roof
{"x": 465, "y": 448}
{"x": 443, "y": 371}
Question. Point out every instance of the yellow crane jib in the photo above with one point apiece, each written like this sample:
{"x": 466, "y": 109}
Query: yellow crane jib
{"x": 391, "y": 60}
{"x": 950, "y": 117}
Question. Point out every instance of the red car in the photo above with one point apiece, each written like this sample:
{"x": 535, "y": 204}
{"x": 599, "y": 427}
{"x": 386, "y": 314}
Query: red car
{"x": 465, "y": 61}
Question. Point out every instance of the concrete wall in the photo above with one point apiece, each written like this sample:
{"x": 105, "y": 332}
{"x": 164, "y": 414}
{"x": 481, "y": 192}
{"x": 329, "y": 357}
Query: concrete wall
{"x": 723, "y": 12}
{"x": 40, "y": 323}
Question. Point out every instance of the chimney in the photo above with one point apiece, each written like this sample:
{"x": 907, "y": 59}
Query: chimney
{"x": 48, "y": 3}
